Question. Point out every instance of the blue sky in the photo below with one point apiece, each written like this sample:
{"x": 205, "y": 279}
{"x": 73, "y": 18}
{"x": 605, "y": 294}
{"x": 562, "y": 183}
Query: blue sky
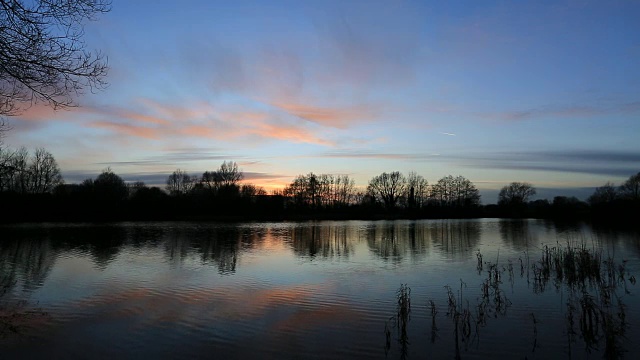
{"x": 543, "y": 91}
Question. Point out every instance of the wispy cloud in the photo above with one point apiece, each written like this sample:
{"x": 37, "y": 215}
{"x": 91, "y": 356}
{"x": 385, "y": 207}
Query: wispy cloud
{"x": 159, "y": 178}
{"x": 335, "y": 117}
{"x": 127, "y": 129}
{"x": 571, "y": 111}
{"x": 150, "y": 119}
{"x": 177, "y": 158}
{"x": 357, "y": 154}
{"x": 613, "y": 163}
{"x": 286, "y": 132}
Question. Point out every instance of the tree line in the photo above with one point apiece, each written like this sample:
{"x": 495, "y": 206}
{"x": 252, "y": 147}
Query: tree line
{"x": 31, "y": 185}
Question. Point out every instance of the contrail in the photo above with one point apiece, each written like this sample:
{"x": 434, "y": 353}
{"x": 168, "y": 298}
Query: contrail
{"x": 446, "y": 133}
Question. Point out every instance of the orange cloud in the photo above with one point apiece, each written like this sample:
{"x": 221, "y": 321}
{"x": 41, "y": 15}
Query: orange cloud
{"x": 127, "y": 129}
{"x": 338, "y": 118}
{"x": 198, "y": 131}
{"x": 288, "y": 133}
{"x": 177, "y": 112}
{"x": 142, "y": 117}
{"x": 155, "y": 120}
{"x": 43, "y": 112}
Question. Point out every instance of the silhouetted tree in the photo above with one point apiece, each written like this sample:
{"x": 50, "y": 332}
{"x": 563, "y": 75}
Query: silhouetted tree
{"x": 44, "y": 173}
{"x": 250, "y": 190}
{"x": 134, "y": 187}
{"x": 630, "y": 189}
{"x": 305, "y": 190}
{"x": 14, "y": 175}
{"x": 42, "y": 52}
{"x": 417, "y": 190}
{"x": 227, "y": 176}
{"x": 25, "y": 174}
{"x": 568, "y": 207}
{"x": 455, "y": 191}
{"x": 516, "y": 193}
{"x": 342, "y": 190}
{"x": 297, "y": 190}
{"x": 603, "y": 194}
{"x": 108, "y": 186}
{"x": 179, "y": 183}
{"x": 388, "y": 188}
{"x": 321, "y": 191}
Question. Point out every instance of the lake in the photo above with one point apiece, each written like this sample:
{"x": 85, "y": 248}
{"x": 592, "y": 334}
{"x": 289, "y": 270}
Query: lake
{"x": 487, "y": 288}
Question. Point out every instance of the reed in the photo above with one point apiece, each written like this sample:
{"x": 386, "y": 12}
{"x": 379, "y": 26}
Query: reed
{"x": 595, "y": 309}
{"x": 434, "y": 327}
{"x": 479, "y": 266}
{"x": 403, "y": 313}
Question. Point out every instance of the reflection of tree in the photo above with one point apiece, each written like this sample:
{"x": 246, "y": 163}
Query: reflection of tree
{"x": 629, "y": 237}
{"x": 385, "y": 241}
{"x": 517, "y": 234}
{"x": 327, "y": 241}
{"x": 24, "y": 261}
{"x": 220, "y": 245}
{"x": 103, "y": 243}
{"x": 393, "y": 240}
{"x": 455, "y": 237}
{"x": 176, "y": 247}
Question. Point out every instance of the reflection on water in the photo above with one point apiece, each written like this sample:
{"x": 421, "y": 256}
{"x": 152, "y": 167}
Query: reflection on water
{"x": 320, "y": 289}
{"x": 518, "y": 234}
{"x": 595, "y": 290}
{"x": 28, "y": 260}
{"x": 323, "y": 241}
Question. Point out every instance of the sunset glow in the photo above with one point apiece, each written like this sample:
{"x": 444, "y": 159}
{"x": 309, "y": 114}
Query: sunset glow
{"x": 546, "y": 93}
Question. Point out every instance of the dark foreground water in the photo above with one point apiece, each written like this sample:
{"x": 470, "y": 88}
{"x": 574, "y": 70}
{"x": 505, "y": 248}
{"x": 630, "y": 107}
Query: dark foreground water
{"x": 474, "y": 289}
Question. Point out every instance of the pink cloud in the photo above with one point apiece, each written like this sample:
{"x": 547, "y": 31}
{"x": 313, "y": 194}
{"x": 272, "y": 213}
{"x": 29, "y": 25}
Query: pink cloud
{"x": 150, "y": 119}
{"x": 43, "y": 112}
{"x": 141, "y": 117}
{"x": 334, "y": 117}
{"x": 176, "y": 113}
{"x": 127, "y": 129}
{"x": 288, "y": 133}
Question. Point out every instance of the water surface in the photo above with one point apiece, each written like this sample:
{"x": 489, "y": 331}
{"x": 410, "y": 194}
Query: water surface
{"x": 308, "y": 290}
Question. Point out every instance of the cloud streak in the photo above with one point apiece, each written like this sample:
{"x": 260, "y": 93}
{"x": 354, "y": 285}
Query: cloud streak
{"x": 127, "y": 129}
{"x": 612, "y": 163}
{"x": 356, "y": 154}
{"x": 151, "y": 120}
{"x": 339, "y": 118}
{"x": 566, "y": 111}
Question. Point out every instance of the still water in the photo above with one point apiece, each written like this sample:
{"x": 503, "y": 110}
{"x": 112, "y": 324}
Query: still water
{"x": 474, "y": 289}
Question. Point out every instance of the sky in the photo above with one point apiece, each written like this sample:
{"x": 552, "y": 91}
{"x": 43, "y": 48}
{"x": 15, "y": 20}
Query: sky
{"x": 546, "y": 92}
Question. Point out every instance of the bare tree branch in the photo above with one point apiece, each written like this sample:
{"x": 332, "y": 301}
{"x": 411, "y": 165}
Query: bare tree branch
{"x": 43, "y": 56}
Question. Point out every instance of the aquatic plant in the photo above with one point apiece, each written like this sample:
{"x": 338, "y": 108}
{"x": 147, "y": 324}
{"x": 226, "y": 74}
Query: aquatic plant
{"x": 434, "y": 327}
{"x": 401, "y": 320}
{"x": 403, "y": 310}
{"x": 595, "y": 287}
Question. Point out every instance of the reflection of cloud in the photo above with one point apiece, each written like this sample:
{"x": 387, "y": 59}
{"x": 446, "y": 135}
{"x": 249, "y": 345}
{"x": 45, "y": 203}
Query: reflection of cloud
{"x": 225, "y": 304}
